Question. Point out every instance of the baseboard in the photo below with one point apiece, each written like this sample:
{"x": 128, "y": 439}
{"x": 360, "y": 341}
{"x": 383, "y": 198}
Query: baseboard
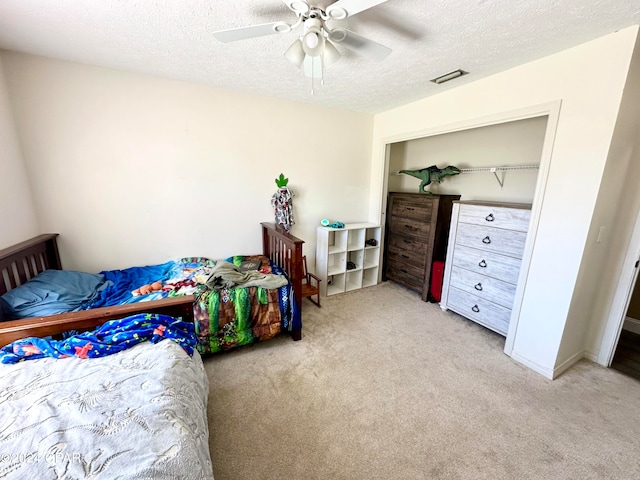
{"x": 564, "y": 366}
{"x": 545, "y": 372}
{"x": 592, "y": 356}
{"x": 548, "y": 372}
{"x": 632, "y": 325}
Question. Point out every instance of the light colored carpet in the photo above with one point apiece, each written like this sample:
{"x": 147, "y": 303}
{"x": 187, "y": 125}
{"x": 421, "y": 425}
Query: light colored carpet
{"x": 385, "y": 386}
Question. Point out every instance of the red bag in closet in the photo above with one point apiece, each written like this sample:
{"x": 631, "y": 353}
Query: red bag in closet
{"x": 437, "y": 273}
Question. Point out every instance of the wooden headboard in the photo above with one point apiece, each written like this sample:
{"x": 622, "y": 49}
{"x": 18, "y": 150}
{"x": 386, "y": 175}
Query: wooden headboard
{"x": 25, "y": 260}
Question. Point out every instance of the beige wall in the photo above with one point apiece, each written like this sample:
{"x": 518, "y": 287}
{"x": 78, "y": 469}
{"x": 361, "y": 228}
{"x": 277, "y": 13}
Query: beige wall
{"x": 18, "y": 219}
{"x": 133, "y": 169}
{"x": 588, "y": 80}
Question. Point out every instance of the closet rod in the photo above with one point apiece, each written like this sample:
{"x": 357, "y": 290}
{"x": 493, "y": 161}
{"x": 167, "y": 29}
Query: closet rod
{"x": 496, "y": 169}
{"x": 502, "y": 169}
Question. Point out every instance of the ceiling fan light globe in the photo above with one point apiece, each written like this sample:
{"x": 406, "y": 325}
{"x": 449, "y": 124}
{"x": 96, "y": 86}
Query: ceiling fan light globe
{"x": 311, "y": 40}
{"x": 313, "y": 43}
{"x": 312, "y": 67}
{"x": 330, "y": 55}
{"x": 295, "y": 54}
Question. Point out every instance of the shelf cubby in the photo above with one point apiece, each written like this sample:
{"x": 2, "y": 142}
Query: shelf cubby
{"x": 336, "y": 247}
{"x": 353, "y": 280}
{"x": 370, "y": 276}
{"x": 335, "y": 284}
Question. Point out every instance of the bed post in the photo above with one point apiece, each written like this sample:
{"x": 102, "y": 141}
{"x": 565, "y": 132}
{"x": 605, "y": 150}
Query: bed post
{"x": 285, "y": 250}
{"x": 53, "y": 254}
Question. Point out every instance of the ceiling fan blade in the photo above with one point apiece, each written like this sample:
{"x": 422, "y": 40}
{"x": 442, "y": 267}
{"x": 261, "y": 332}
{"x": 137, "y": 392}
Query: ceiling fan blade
{"x": 251, "y": 32}
{"x": 347, "y": 8}
{"x": 359, "y": 44}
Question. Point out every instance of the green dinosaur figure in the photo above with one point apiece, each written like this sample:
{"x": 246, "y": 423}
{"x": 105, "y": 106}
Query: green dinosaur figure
{"x": 431, "y": 174}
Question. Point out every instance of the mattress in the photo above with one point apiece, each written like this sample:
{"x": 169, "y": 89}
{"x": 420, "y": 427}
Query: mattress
{"x": 136, "y": 414}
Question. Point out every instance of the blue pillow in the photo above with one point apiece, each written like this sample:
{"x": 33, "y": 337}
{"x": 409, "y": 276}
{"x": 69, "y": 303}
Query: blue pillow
{"x": 51, "y": 292}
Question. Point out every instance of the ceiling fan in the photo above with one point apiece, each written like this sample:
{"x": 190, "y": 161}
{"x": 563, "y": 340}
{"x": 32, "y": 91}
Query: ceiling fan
{"x": 313, "y": 49}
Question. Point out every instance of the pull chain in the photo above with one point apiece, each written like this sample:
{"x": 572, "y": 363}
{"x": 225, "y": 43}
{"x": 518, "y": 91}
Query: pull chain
{"x": 312, "y": 76}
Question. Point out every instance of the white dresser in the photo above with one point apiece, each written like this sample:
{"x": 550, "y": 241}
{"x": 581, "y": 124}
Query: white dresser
{"x": 486, "y": 242}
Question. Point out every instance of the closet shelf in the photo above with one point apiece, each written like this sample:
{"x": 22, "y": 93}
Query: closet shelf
{"x": 494, "y": 170}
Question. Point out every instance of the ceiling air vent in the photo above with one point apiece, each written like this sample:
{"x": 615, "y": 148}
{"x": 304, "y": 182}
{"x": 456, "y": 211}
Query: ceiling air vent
{"x": 449, "y": 76}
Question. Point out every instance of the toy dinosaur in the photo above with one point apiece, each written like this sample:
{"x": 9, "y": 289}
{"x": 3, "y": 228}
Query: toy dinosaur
{"x": 431, "y": 174}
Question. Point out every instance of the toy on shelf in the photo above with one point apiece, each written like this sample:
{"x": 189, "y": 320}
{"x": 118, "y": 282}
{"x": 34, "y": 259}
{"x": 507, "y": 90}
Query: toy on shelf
{"x": 326, "y": 223}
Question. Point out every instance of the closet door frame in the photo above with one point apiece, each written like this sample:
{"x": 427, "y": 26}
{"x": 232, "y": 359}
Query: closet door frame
{"x": 551, "y": 110}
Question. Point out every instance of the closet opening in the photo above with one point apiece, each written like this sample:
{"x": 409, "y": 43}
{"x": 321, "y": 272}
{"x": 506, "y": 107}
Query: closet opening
{"x": 521, "y": 142}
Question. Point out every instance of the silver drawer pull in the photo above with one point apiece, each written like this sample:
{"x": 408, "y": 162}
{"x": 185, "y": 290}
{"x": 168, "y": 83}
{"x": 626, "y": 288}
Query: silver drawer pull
{"x": 475, "y": 308}
{"x": 486, "y": 240}
{"x": 478, "y": 286}
{"x": 482, "y": 264}
{"x": 489, "y": 218}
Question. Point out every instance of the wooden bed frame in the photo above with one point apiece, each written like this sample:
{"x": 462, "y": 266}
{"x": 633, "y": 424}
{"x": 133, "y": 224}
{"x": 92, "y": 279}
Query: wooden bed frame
{"x": 25, "y": 260}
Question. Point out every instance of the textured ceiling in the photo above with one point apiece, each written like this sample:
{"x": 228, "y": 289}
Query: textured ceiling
{"x": 172, "y": 38}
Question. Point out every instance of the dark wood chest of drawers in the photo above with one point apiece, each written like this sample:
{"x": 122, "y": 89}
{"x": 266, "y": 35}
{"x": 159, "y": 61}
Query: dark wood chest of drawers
{"x": 417, "y": 232}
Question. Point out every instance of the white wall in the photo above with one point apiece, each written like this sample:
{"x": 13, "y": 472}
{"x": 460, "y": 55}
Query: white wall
{"x": 133, "y": 169}
{"x": 512, "y": 143}
{"x": 588, "y": 80}
{"x": 18, "y": 219}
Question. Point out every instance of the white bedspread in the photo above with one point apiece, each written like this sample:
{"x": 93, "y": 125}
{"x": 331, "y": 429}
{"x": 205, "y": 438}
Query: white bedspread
{"x": 137, "y": 414}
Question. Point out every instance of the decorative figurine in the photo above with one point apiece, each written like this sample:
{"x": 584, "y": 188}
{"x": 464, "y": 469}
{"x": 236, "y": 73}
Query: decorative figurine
{"x": 282, "y": 203}
{"x": 431, "y": 174}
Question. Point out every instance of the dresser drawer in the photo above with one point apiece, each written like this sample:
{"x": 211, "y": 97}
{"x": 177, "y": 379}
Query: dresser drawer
{"x": 407, "y": 226}
{"x": 494, "y": 216}
{"x": 489, "y": 314}
{"x": 407, "y": 274}
{"x": 487, "y": 263}
{"x": 412, "y": 207}
{"x": 401, "y": 242}
{"x": 484, "y": 287}
{"x": 505, "y": 242}
{"x": 408, "y": 256}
